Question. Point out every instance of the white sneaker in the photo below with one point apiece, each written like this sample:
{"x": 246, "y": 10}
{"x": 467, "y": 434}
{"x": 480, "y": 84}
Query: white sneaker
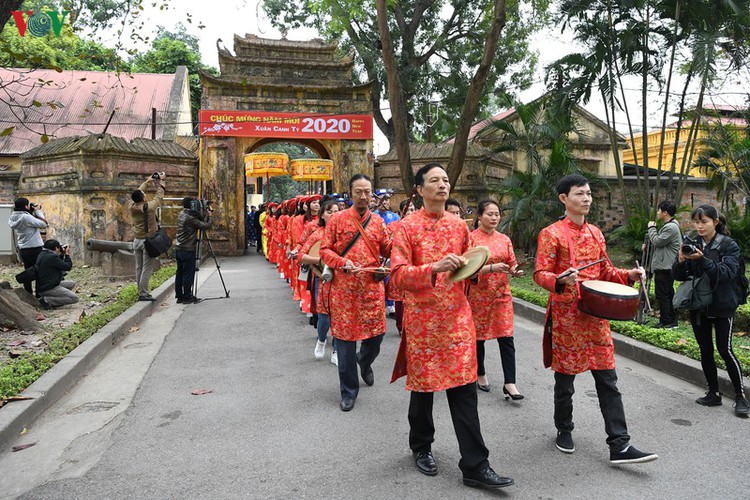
{"x": 335, "y": 358}
{"x": 320, "y": 349}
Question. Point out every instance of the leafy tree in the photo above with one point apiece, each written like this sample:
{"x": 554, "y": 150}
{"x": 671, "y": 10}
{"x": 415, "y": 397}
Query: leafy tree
{"x": 529, "y": 195}
{"x": 439, "y": 44}
{"x": 67, "y": 52}
{"x": 629, "y": 38}
{"x": 725, "y": 159}
{"x": 172, "y": 49}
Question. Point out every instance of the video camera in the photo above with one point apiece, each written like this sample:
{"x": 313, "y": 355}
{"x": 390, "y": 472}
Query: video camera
{"x": 202, "y": 207}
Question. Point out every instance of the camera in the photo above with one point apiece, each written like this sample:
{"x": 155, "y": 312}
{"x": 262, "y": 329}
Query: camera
{"x": 157, "y": 175}
{"x": 689, "y": 245}
{"x": 202, "y": 207}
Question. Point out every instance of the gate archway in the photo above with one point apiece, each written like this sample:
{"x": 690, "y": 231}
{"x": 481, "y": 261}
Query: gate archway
{"x": 278, "y": 91}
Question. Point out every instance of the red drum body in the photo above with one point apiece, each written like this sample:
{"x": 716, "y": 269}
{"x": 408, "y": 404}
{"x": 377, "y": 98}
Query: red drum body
{"x": 608, "y": 300}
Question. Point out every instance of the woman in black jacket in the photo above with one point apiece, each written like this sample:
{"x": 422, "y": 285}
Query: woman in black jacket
{"x": 718, "y": 256}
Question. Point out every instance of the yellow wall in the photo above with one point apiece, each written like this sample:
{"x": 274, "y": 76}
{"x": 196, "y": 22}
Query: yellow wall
{"x": 654, "y": 140}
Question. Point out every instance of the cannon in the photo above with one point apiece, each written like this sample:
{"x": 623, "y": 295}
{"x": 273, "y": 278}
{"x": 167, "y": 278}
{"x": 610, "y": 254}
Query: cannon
{"x": 116, "y": 257}
{"x": 109, "y": 246}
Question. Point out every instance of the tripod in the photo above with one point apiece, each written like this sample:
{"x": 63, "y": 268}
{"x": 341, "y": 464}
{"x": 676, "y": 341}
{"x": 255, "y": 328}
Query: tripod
{"x": 198, "y": 254}
{"x": 644, "y": 308}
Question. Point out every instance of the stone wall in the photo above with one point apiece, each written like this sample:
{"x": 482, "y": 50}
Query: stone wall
{"x": 86, "y": 196}
{"x": 610, "y": 207}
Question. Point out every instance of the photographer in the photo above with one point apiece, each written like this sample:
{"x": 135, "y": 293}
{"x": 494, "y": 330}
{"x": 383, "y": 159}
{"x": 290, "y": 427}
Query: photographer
{"x": 52, "y": 263}
{"x": 666, "y": 243}
{"x": 26, "y": 221}
{"x": 189, "y": 222}
{"x": 144, "y": 264}
{"x": 716, "y": 255}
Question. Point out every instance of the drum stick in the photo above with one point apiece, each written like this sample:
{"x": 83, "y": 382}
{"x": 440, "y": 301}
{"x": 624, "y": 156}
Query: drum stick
{"x": 374, "y": 269}
{"x": 643, "y": 289}
{"x": 568, "y": 273}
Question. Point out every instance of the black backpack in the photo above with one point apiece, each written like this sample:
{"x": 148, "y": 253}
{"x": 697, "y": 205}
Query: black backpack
{"x": 740, "y": 284}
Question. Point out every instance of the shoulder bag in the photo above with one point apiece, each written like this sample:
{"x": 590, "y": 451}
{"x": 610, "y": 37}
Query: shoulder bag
{"x": 327, "y": 271}
{"x": 694, "y": 294}
{"x": 160, "y": 242}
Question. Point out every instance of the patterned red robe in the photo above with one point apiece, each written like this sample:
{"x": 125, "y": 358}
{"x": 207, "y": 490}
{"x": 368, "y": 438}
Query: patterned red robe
{"x": 392, "y": 291}
{"x": 294, "y": 231}
{"x": 580, "y": 342}
{"x": 357, "y": 300}
{"x": 438, "y": 328}
{"x": 490, "y": 299}
{"x": 324, "y": 288}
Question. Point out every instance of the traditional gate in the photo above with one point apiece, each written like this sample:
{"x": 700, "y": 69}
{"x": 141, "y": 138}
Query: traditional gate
{"x": 278, "y": 91}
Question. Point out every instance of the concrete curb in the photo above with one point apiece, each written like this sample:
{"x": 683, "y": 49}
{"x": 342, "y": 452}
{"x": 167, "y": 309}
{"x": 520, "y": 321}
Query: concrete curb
{"x": 16, "y": 416}
{"x": 665, "y": 361}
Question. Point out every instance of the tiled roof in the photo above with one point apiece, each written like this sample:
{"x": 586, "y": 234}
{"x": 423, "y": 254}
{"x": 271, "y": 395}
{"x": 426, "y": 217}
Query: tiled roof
{"x": 87, "y": 98}
{"x": 442, "y": 150}
{"x": 101, "y": 143}
{"x": 481, "y": 125}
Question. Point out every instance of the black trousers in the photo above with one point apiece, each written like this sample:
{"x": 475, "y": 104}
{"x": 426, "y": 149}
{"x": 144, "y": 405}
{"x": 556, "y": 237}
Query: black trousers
{"x": 664, "y": 291}
{"x": 462, "y": 402}
{"x": 702, "y": 329}
{"x": 610, "y": 403}
{"x": 28, "y": 256}
{"x": 507, "y": 358}
{"x": 185, "y": 275}
{"x": 349, "y": 359}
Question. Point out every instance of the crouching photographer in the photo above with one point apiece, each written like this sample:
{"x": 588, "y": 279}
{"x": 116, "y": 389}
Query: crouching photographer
{"x": 52, "y": 263}
{"x": 195, "y": 215}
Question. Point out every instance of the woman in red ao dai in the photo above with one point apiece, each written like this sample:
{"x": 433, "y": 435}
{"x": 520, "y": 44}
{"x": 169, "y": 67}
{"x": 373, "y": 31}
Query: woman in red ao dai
{"x": 490, "y": 298}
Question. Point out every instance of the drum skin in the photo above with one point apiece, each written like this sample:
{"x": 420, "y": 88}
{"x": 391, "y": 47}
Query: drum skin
{"x": 607, "y": 300}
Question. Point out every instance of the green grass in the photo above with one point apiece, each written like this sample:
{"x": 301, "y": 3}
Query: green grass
{"x": 19, "y": 373}
{"x": 679, "y": 340}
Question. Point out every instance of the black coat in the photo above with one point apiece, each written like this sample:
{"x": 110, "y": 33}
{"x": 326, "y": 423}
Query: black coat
{"x": 721, "y": 262}
{"x": 49, "y": 269}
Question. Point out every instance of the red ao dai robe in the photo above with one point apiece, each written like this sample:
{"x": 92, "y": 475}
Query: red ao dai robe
{"x": 490, "y": 299}
{"x": 439, "y": 331}
{"x": 357, "y": 300}
{"x": 580, "y": 342}
{"x": 324, "y": 288}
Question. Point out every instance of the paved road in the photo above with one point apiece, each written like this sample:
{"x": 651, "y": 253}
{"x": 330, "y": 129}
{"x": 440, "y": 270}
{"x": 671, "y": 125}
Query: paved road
{"x": 271, "y": 428}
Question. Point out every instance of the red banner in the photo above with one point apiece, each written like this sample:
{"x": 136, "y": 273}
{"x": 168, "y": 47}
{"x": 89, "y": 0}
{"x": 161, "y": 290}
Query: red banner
{"x": 284, "y": 125}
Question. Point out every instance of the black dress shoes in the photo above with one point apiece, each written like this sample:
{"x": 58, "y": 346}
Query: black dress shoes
{"x": 346, "y": 404}
{"x": 368, "y": 376}
{"x": 487, "y": 478}
{"x": 425, "y": 463}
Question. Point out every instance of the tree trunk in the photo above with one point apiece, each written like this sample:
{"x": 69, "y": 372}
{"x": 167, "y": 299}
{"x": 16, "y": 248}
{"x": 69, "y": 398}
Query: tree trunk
{"x": 660, "y": 165}
{"x": 396, "y": 99}
{"x": 673, "y": 165}
{"x": 5, "y": 11}
{"x": 21, "y": 314}
{"x": 474, "y": 94}
{"x": 644, "y": 112}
